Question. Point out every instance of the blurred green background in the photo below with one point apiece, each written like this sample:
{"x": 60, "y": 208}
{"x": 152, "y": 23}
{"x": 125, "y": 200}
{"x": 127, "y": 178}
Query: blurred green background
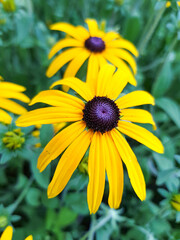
{"x": 25, "y": 41}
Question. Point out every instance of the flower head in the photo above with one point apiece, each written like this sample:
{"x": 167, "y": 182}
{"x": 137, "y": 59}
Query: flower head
{"x": 14, "y": 91}
{"x": 175, "y": 202}
{"x": 99, "y": 121}
{"x": 96, "y": 46}
{"x": 168, "y": 3}
{"x": 8, "y": 233}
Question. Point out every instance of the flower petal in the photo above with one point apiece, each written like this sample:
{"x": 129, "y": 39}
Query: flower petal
{"x": 7, "y": 234}
{"x": 83, "y": 32}
{"x": 50, "y": 115}
{"x": 108, "y": 37}
{"x": 29, "y": 238}
{"x": 96, "y": 171}
{"x": 92, "y": 26}
{"x": 11, "y": 87}
{"x": 132, "y": 165}
{"x": 11, "y": 106}
{"x": 59, "y": 143}
{"x": 114, "y": 171}
{"x": 57, "y": 98}
{"x": 137, "y": 115}
{"x": 67, "y": 42}
{"x": 141, "y": 135}
{"x": 135, "y": 98}
{"x": 14, "y": 95}
{"x": 5, "y": 117}
{"x": 62, "y": 59}
{"x": 77, "y": 85}
{"x": 68, "y": 163}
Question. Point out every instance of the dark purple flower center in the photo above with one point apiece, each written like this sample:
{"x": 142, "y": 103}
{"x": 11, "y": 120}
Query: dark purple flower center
{"x": 101, "y": 114}
{"x": 95, "y": 44}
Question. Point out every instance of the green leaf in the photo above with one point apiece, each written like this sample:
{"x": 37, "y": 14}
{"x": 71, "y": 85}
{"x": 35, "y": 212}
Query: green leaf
{"x": 33, "y": 197}
{"x": 132, "y": 28}
{"x": 46, "y": 134}
{"x": 66, "y": 217}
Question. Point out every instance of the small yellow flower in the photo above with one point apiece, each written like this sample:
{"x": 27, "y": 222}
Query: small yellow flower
{"x": 8, "y": 233}
{"x": 14, "y": 91}
{"x": 96, "y": 46}
{"x": 168, "y": 4}
{"x": 13, "y": 139}
{"x": 98, "y": 122}
{"x": 3, "y": 221}
{"x": 175, "y": 202}
{"x": 8, "y": 5}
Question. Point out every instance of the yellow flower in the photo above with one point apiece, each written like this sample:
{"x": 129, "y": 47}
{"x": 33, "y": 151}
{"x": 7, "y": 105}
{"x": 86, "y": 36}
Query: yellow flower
{"x": 14, "y": 91}
{"x": 99, "y": 121}
{"x": 175, "y": 202}
{"x": 168, "y": 4}
{"x": 8, "y": 233}
{"x": 96, "y": 46}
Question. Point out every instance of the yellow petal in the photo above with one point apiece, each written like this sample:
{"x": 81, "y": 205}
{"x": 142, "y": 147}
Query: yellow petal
{"x": 77, "y": 85}
{"x": 101, "y": 60}
{"x": 141, "y": 135}
{"x": 5, "y": 117}
{"x": 68, "y": 163}
{"x": 67, "y": 42}
{"x": 92, "y": 26}
{"x": 59, "y": 143}
{"x": 14, "y": 95}
{"x": 49, "y": 115}
{"x": 123, "y": 43}
{"x": 29, "y": 238}
{"x": 62, "y": 59}
{"x": 123, "y": 54}
{"x": 83, "y": 32}
{"x": 135, "y": 98}
{"x": 11, "y": 87}
{"x": 7, "y": 234}
{"x": 57, "y": 98}
{"x": 96, "y": 171}
{"x": 76, "y": 63}
{"x": 104, "y": 79}
{"x": 134, "y": 170}
{"x": 67, "y": 28}
{"x": 108, "y": 37}
{"x": 114, "y": 171}
{"x": 11, "y": 106}
{"x": 137, "y": 115}
{"x": 121, "y": 65}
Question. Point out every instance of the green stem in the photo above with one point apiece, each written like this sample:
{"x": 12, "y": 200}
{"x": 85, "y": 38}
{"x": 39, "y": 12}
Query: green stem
{"x": 147, "y": 36}
{"x": 11, "y": 208}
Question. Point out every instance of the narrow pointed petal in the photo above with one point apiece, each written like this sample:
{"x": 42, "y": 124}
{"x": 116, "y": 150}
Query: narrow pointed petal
{"x": 50, "y": 115}
{"x": 134, "y": 170}
{"x": 11, "y": 106}
{"x": 96, "y": 171}
{"x": 114, "y": 169}
{"x": 92, "y": 26}
{"x": 61, "y": 60}
{"x": 135, "y": 98}
{"x": 76, "y": 63}
{"x": 68, "y": 163}
{"x": 11, "y": 87}
{"x": 7, "y": 234}
{"x": 110, "y": 36}
{"x": 123, "y": 43}
{"x": 57, "y": 98}
{"x": 141, "y": 135}
{"x": 83, "y": 32}
{"x": 14, "y": 95}
{"x": 137, "y": 115}
{"x": 77, "y": 85}
{"x": 104, "y": 79}
{"x": 67, "y": 42}
{"x": 59, "y": 143}
{"x": 5, "y": 117}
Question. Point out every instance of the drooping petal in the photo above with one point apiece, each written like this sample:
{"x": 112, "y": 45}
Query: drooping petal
{"x": 14, "y": 95}
{"x": 76, "y": 63}
{"x": 96, "y": 171}
{"x": 92, "y": 26}
{"x": 50, "y": 115}
{"x": 123, "y": 43}
{"x": 11, "y": 106}
{"x": 57, "y": 98}
{"x": 77, "y": 85}
{"x": 114, "y": 171}
{"x": 59, "y": 143}
{"x": 5, "y": 117}
{"x": 132, "y": 165}
{"x": 63, "y": 43}
{"x": 110, "y": 36}
{"x": 137, "y": 115}
{"x": 62, "y": 59}
{"x": 104, "y": 79}
{"x": 68, "y": 163}
{"x": 141, "y": 135}
{"x": 11, "y": 87}
{"x": 135, "y": 98}
{"x": 7, "y": 234}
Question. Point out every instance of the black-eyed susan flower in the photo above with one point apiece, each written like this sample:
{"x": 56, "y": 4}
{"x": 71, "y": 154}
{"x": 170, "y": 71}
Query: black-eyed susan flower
{"x": 8, "y": 234}
{"x": 96, "y": 46}
{"x": 168, "y": 3}
{"x": 11, "y": 91}
{"x": 98, "y": 124}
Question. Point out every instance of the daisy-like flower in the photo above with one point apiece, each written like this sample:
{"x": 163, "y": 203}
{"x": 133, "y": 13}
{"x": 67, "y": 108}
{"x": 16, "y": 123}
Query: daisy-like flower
{"x": 99, "y": 121}
{"x": 96, "y": 46}
{"x": 12, "y": 91}
{"x": 8, "y": 233}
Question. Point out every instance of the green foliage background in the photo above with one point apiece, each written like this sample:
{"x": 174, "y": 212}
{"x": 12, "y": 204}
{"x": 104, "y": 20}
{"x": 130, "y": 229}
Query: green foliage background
{"x": 25, "y": 41}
